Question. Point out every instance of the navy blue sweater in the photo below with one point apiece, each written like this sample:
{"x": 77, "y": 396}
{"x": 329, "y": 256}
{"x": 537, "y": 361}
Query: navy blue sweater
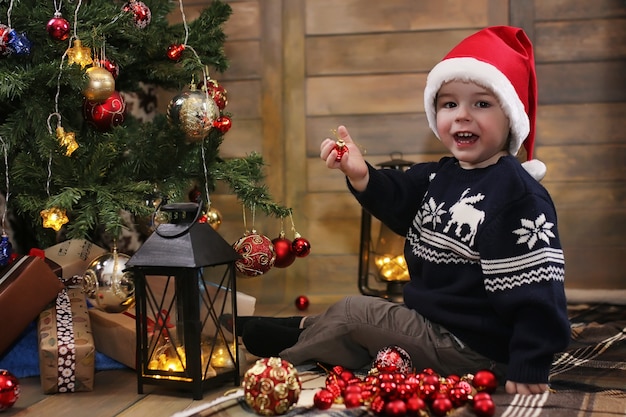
{"x": 484, "y": 256}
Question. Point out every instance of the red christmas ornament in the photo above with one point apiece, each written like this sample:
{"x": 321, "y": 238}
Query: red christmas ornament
{"x": 223, "y": 124}
{"x": 485, "y": 380}
{"x": 335, "y": 387}
{"x": 216, "y": 92}
{"x": 271, "y": 386}
{"x": 459, "y": 395}
{"x": 412, "y": 381}
{"x": 399, "y": 394}
{"x": 58, "y": 28}
{"x": 300, "y": 246}
{"x": 429, "y": 387}
{"x": 142, "y": 16}
{"x": 195, "y": 195}
{"x": 9, "y": 389}
{"x": 479, "y": 396}
{"x": 106, "y": 115}
{"x": 441, "y": 405}
{"x": 429, "y": 371}
{"x": 378, "y": 405}
{"x": 341, "y": 148}
{"x": 284, "y": 254}
{"x": 323, "y": 399}
{"x": 345, "y": 374}
{"x": 257, "y": 254}
{"x": 4, "y": 40}
{"x": 395, "y": 408}
{"x": 110, "y": 66}
{"x": 414, "y": 405}
{"x": 353, "y": 387}
{"x": 465, "y": 386}
{"x": 483, "y": 405}
{"x": 302, "y": 302}
{"x": 352, "y": 399}
{"x": 393, "y": 359}
{"x": 175, "y": 51}
{"x": 387, "y": 389}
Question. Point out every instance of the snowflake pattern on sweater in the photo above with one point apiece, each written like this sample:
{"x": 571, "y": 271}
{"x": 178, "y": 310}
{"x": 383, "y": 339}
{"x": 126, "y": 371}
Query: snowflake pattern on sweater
{"x": 466, "y": 219}
{"x": 484, "y": 257}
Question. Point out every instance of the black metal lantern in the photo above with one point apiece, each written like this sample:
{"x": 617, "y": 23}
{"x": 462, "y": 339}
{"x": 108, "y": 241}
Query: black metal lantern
{"x": 382, "y": 268}
{"x": 184, "y": 282}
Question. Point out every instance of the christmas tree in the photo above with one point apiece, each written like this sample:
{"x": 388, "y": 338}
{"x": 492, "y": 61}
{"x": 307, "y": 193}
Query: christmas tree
{"x": 70, "y": 148}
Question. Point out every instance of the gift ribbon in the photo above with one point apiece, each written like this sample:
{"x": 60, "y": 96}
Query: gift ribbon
{"x": 66, "y": 346}
{"x": 163, "y": 322}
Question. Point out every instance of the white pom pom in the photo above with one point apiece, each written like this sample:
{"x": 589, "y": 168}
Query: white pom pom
{"x": 535, "y": 168}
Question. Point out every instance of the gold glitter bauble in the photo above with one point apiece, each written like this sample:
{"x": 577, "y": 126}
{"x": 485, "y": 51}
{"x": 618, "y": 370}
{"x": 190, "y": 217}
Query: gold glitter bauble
{"x": 100, "y": 86}
{"x": 271, "y": 386}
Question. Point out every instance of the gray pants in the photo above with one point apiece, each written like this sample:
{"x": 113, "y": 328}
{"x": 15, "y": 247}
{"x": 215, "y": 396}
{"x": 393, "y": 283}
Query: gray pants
{"x": 352, "y": 331}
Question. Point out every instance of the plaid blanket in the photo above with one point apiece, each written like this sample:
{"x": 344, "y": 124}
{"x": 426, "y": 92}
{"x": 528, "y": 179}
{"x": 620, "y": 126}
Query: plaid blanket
{"x": 589, "y": 379}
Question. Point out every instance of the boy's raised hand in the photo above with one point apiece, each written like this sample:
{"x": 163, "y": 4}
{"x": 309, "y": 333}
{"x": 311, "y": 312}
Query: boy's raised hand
{"x": 351, "y": 162}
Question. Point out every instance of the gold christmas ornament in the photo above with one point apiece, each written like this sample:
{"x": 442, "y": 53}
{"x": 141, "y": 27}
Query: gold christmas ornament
{"x": 193, "y": 112}
{"x": 214, "y": 218}
{"x": 107, "y": 285}
{"x": 79, "y": 54}
{"x": 67, "y": 139}
{"x": 54, "y": 218}
{"x": 100, "y": 86}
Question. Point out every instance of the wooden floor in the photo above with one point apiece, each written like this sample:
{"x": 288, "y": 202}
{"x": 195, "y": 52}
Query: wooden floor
{"x": 115, "y": 391}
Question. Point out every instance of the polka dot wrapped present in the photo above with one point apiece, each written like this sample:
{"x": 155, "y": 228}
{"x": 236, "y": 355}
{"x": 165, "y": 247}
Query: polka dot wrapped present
{"x": 67, "y": 352}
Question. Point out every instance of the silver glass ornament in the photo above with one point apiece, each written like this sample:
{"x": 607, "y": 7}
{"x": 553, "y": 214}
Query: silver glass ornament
{"x": 107, "y": 286}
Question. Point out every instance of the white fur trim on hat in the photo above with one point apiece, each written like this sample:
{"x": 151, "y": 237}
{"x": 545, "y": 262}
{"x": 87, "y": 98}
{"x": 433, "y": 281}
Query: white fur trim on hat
{"x": 486, "y": 75}
{"x": 535, "y": 168}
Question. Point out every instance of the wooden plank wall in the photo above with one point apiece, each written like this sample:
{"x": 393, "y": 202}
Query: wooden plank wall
{"x": 366, "y": 67}
{"x": 580, "y": 50}
{"x": 301, "y": 67}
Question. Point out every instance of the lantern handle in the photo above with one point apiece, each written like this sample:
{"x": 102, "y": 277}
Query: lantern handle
{"x": 179, "y": 207}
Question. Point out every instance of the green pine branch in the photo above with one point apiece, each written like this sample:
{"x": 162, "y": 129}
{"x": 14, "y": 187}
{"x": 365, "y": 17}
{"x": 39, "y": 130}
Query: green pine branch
{"x": 115, "y": 171}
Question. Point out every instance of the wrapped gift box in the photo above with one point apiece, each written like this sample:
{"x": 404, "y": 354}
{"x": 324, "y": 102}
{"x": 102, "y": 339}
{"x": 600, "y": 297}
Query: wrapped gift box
{"x": 27, "y": 286}
{"x": 72, "y": 257}
{"x": 115, "y": 333}
{"x": 66, "y": 346}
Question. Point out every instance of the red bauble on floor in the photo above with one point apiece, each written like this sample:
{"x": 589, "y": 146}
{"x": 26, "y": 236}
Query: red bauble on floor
{"x": 302, "y": 302}
{"x": 485, "y": 380}
{"x": 9, "y": 389}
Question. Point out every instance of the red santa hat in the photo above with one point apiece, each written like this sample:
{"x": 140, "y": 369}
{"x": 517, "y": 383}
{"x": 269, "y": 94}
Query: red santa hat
{"x": 501, "y": 59}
